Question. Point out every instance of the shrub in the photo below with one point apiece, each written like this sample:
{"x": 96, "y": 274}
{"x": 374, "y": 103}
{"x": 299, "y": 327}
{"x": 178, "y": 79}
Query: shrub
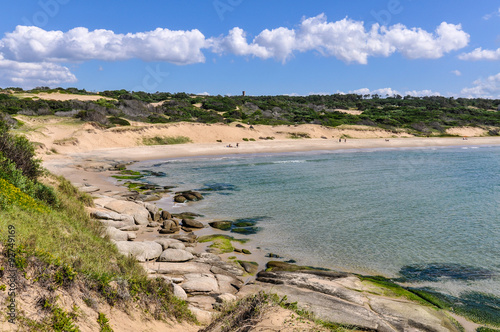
{"x": 118, "y": 121}
{"x": 20, "y": 151}
{"x": 158, "y": 140}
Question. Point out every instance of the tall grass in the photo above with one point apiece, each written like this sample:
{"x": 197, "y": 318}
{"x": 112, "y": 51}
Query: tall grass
{"x": 165, "y": 140}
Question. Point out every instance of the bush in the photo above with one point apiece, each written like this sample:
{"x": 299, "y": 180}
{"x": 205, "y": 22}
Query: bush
{"x": 118, "y": 121}
{"x": 20, "y": 151}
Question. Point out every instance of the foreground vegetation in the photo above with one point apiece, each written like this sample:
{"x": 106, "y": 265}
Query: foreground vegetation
{"x": 58, "y": 246}
{"x": 416, "y": 115}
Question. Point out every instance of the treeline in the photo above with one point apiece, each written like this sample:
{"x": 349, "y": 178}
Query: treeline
{"x": 419, "y": 115}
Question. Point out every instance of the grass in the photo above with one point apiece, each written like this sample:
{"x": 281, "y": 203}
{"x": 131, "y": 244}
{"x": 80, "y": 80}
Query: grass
{"x": 63, "y": 247}
{"x": 221, "y": 242}
{"x": 165, "y": 140}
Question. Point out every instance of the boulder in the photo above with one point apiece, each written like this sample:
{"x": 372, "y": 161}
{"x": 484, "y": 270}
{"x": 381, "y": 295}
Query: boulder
{"x": 142, "y": 251}
{"x": 179, "y": 292}
{"x": 250, "y": 267}
{"x": 118, "y": 235}
{"x": 154, "y": 224}
{"x": 223, "y": 225}
{"x": 165, "y": 215}
{"x": 192, "y": 223}
{"x": 165, "y": 243}
{"x": 179, "y": 245}
{"x": 200, "y": 283}
{"x": 225, "y": 298}
{"x": 140, "y": 213}
{"x": 175, "y": 255}
{"x": 177, "y": 269}
{"x": 180, "y": 199}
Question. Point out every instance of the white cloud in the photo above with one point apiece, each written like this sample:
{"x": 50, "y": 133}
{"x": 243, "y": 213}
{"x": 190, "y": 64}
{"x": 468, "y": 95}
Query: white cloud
{"x": 491, "y": 15}
{"x": 480, "y": 54}
{"x": 422, "y": 93}
{"x": 32, "y": 44}
{"x": 28, "y": 75}
{"x": 384, "y": 92}
{"x": 484, "y": 88}
{"x": 346, "y": 40}
{"x": 456, "y": 72}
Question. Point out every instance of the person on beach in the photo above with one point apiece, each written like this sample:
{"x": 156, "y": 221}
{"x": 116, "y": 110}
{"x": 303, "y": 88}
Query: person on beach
{"x": 237, "y": 144}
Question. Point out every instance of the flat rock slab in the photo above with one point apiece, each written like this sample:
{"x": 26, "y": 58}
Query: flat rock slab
{"x": 177, "y": 268}
{"x": 118, "y": 235}
{"x": 142, "y": 251}
{"x": 175, "y": 255}
{"x": 326, "y": 295}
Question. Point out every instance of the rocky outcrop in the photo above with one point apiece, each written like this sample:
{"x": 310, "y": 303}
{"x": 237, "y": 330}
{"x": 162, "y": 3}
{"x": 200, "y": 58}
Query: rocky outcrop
{"x": 345, "y": 299}
{"x": 175, "y": 255}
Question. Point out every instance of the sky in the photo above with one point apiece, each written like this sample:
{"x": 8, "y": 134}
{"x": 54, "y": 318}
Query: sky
{"x": 449, "y": 48}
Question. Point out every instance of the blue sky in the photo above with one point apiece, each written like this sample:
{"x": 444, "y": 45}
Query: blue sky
{"x": 449, "y": 48}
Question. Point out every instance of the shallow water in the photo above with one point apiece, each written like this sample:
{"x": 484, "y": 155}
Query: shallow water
{"x": 365, "y": 211}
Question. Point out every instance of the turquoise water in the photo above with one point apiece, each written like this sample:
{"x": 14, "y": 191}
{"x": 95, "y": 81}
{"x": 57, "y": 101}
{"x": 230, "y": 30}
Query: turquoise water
{"x": 364, "y": 211}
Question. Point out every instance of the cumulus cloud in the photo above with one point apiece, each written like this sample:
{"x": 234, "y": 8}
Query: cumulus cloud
{"x": 33, "y": 44}
{"x": 383, "y": 92}
{"x": 480, "y": 54}
{"x": 14, "y": 73}
{"x": 456, "y": 72}
{"x": 484, "y": 88}
{"x": 347, "y": 40}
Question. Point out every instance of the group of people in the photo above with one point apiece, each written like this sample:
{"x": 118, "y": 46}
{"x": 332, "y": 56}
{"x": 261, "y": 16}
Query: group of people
{"x": 230, "y": 146}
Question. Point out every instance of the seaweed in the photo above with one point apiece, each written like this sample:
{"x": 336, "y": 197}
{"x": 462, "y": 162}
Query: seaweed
{"x": 439, "y": 271}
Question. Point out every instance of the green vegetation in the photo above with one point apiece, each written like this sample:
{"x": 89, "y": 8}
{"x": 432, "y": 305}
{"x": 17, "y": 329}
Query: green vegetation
{"x": 57, "y": 245}
{"x": 166, "y": 140}
{"x": 221, "y": 242}
{"x": 103, "y": 322}
{"x": 422, "y": 116}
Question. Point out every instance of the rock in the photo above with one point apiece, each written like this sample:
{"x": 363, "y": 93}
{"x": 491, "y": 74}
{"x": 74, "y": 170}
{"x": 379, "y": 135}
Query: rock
{"x": 230, "y": 268}
{"x": 154, "y": 224}
{"x": 117, "y": 235}
{"x": 130, "y": 228}
{"x": 165, "y": 243}
{"x": 114, "y": 223}
{"x": 246, "y": 251}
{"x": 203, "y": 316}
{"x": 179, "y": 292}
{"x": 250, "y": 267}
{"x": 196, "y": 194}
{"x": 225, "y": 298}
{"x": 178, "y": 269}
{"x": 165, "y": 215}
{"x": 223, "y": 225}
{"x": 228, "y": 284}
{"x": 192, "y": 223}
{"x": 202, "y": 302}
{"x": 152, "y": 208}
{"x": 180, "y": 199}
{"x": 111, "y": 215}
{"x": 175, "y": 255}
{"x": 142, "y": 251}
{"x": 324, "y": 294}
{"x": 140, "y": 213}
{"x": 178, "y": 245}
{"x": 169, "y": 226}
{"x": 189, "y": 238}
{"x": 200, "y": 283}
{"x": 190, "y": 197}
{"x": 190, "y": 249}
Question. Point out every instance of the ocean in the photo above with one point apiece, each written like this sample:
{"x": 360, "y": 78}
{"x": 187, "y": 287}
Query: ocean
{"x": 428, "y": 217}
